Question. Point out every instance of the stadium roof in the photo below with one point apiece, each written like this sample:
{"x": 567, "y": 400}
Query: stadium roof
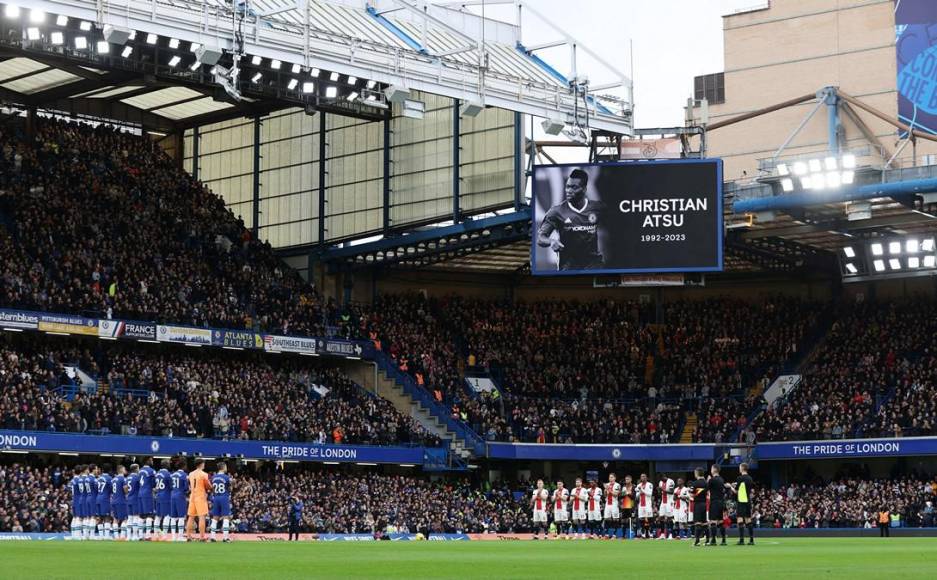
{"x": 437, "y": 51}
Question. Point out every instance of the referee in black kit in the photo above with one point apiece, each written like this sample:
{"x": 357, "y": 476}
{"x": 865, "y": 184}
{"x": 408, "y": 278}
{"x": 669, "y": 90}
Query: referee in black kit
{"x": 717, "y": 504}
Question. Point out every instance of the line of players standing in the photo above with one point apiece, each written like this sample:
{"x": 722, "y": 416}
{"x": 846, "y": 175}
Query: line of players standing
{"x": 692, "y": 509}
{"x": 143, "y": 504}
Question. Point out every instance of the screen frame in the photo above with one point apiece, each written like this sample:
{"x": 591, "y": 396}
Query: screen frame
{"x": 720, "y": 221}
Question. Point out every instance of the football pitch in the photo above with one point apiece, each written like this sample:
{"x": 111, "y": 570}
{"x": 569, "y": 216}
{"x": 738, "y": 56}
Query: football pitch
{"x": 771, "y": 558}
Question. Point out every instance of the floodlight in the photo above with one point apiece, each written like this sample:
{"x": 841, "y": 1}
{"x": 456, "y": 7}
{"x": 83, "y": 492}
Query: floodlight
{"x": 800, "y": 168}
{"x": 175, "y": 60}
{"x": 877, "y": 249}
{"x": 173, "y": 43}
{"x": 151, "y": 38}
{"x": 849, "y": 161}
{"x": 351, "y": 96}
{"x": 256, "y": 60}
{"x": 331, "y": 92}
{"x": 296, "y": 68}
{"x": 57, "y": 38}
{"x": 815, "y": 166}
{"x": 333, "y": 77}
{"x": 352, "y": 80}
{"x": 930, "y": 261}
{"x": 894, "y": 247}
{"x": 894, "y": 264}
{"x": 292, "y": 84}
{"x": 848, "y": 177}
{"x": 62, "y": 20}
{"x": 256, "y": 78}
{"x": 914, "y": 262}
{"x": 928, "y": 245}
{"x": 833, "y": 179}
{"x": 32, "y": 33}
{"x": 81, "y": 43}
{"x": 314, "y": 72}
{"x": 879, "y": 265}
{"x": 850, "y": 253}
{"x": 787, "y": 184}
{"x": 37, "y": 16}
{"x": 128, "y": 50}
{"x": 308, "y": 87}
{"x": 829, "y": 163}
{"x": 275, "y": 64}
{"x": 851, "y": 268}
{"x": 911, "y": 246}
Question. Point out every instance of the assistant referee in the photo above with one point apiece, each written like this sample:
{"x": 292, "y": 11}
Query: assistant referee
{"x": 744, "y": 489}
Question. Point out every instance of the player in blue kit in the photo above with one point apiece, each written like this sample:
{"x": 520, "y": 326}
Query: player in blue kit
{"x": 133, "y": 503}
{"x": 163, "y": 485}
{"x": 178, "y": 503}
{"x": 119, "y": 502}
{"x": 103, "y": 506}
{"x": 221, "y": 502}
{"x": 78, "y": 504}
{"x": 147, "y": 475}
{"x": 90, "y": 476}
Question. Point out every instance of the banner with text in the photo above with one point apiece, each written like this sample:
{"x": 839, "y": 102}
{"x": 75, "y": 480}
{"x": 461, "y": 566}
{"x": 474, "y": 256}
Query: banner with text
{"x": 846, "y": 449}
{"x": 183, "y": 334}
{"x": 629, "y": 217}
{"x": 270, "y": 450}
{"x": 127, "y": 329}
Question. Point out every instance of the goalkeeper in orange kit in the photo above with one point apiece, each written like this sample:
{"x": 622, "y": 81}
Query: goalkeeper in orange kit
{"x": 199, "y": 486}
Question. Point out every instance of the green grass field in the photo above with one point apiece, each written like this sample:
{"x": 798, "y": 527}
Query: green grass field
{"x": 787, "y": 558}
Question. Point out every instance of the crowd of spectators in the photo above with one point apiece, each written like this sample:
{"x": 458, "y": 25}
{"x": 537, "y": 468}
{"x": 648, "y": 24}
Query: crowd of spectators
{"x": 370, "y": 502}
{"x": 38, "y": 499}
{"x": 33, "y": 499}
{"x": 875, "y": 352}
{"x": 163, "y": 391}
{"x": 847, "y": 502}
{"x": 593, "y": 372}
{"x": 104, "y": 221}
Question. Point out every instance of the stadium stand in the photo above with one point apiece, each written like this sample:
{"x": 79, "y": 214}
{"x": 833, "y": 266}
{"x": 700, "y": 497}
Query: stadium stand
{"x": 161, "y": 391}
{"x": 847, "y": 502}
{"x": 103, "y": 221}
{"x": 595, "y": 372}
{"x": 871, "y": 376}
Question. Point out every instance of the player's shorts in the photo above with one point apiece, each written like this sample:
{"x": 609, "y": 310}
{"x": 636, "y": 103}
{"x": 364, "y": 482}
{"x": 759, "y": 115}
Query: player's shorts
{"x": 146, "y": 505}
{"x": 163, "y": 508}
{"x": 743, "y": 510}
{"x": 699, "y": 513}
{"x": 716, "y": 511}
{"x": 119, "y": 511}
{"x": 90, "y": 508}
{"x": 580, "y": 515}
{"x": 78, "y": 509}
{"x": 198, "y": 507}
{"x": 221, "y": 508}
{"x": 178, "y": 507}
{"x": 133, "y": 506}
{"x": 645, "y": 511}
{"x": 540, "y": 516}
{"x": 104, "y": 509}
{"x": 680, "y": 515}
{"x": 666, "y": 510}
{"x": 611, "y": 512}
{"x": 595, "y": 515}
{"x": 560, "y": 516}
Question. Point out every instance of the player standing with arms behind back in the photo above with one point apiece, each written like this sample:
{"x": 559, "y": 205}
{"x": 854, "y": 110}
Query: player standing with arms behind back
{"x": 147, "y": 475}
{"x": 717, "y": 504}
{"x": 178, "y": 507}
{"x": 744, "y": 489}
{"x": 538, "y": 502}
{"x": 163, "y": 484}
{"x": 221, "y": 502}
{"x": 199, "y": 488}
{"x": 627, "y": 507}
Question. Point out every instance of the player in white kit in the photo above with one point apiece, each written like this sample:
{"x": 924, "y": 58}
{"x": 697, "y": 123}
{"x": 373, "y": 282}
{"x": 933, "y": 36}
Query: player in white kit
{"x": 611, "y": 513}
{"x": 561, "y": 510}
{"x": 681, "y": 503}
{"x": 665, "y": 513}
{"x": 579, "y": 499}
{"x": 595, "y": 509}
{"x": 645, "y": 491}
{"x": 538, "y": 501}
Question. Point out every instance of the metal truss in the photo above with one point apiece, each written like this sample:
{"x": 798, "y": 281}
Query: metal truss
{"x": 428, "y": 247}
{"x": 337, "y": 50}
{"x": 778, "y": 254}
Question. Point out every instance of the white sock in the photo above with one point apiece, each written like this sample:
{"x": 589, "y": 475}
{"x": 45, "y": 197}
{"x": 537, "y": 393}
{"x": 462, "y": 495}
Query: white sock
{"x": 225, "y": 528}
{"x": 149, "y": 526}
{"x": 123, "y": 530}
{"x": 214, "y": 528}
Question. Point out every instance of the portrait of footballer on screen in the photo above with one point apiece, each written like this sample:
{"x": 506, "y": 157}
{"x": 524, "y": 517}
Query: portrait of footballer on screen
{"x": 627, "y": 217}
{"x": 569, "y": 235}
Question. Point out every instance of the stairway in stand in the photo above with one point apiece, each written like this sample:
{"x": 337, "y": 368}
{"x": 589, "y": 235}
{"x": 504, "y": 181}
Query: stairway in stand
{"x": 689, "y": 428}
